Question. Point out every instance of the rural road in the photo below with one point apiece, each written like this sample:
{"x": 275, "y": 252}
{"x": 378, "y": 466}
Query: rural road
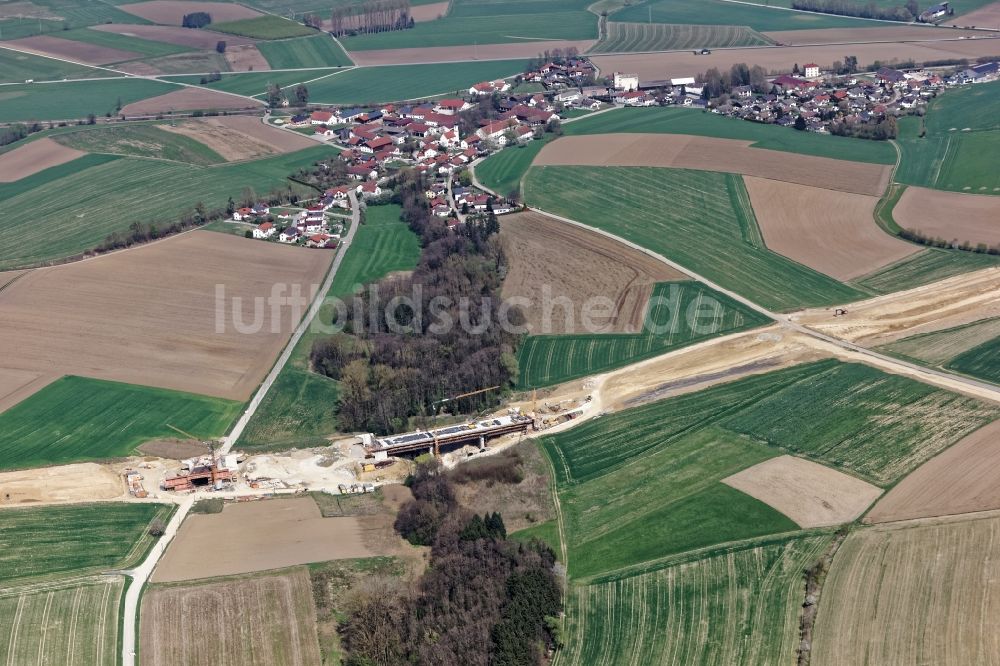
{"x": 928, "y": 375}
{"x": 142, "y": 573}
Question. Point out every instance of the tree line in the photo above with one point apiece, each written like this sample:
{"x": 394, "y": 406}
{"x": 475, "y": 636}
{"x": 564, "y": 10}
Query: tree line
{"x": 393, "y": 365}
{"x": 367, "y": 17}
{"x": 716, "y": 83}
{"x": 905, "y": 13}
{"x": 484, "y": 600}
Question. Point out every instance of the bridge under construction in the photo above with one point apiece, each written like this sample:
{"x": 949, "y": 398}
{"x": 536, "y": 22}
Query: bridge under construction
{"x": 432, "y": 441}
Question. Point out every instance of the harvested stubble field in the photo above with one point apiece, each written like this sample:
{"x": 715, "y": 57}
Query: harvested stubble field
{"x": 810, "y": 494}
{"x": 950, "y": 215}
{"x": 720, "y": 155}
{"x": 940, "y": 347}
{"x": 700, "y": 219}
{"x": 76, "y": 418}
{"x": 33, "y": 157}
{"x": 952, "y": 302}
{"x": 189, "y": 99}
{"x": 671, "y": 316}
{"x": 985, "y": 16}
{"x": 296, "y": 411}
{"x": 829, "y": 231}
{"x": 46, "y": 542}
{"x": 138, "y": 140}
{"x": 117, "y": 314}
{"x": 62, "y": 623}
{"x": 638, "y": 37}
{"x": 196, "y": 39}
{"x": 963, "y": 479}
{"x": 262, "y": 535}
{"x": 246, "y": 57}
{"x": 555, "y": 260}
{"x": 737, "y": 607}
{"x": 171, "y": 12}
{"x": 781, "y": 59}
{"x": 912, "y": 593}
{"x": 77, "y": 51}
{"x": 667, "y": 120}
{"x": 16, "y": 385}
{"x": 263, "y": 620}
{"x": 441, "y": 54}
{"x": 238, "y": 138}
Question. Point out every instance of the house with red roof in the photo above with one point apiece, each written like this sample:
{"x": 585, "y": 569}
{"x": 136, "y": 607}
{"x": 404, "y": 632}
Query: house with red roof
{"x": 320, "y": 118}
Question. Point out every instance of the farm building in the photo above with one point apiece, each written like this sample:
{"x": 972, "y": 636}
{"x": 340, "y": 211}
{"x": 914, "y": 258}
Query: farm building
{"x": 933, "y": 12}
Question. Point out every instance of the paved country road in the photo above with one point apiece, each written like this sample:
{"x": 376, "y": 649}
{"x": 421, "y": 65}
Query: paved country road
{"x": 141, "y": 573}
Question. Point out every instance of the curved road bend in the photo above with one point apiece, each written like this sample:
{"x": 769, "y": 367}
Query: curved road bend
{"x": 141, "y": 573}
{"x": 929, "y": 375}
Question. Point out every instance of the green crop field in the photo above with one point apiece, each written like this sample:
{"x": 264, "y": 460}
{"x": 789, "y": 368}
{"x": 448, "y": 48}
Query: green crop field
{"x": 46, "y": 542}
{"x": 686, "y": 121}
{"x": 61, "y": 15}
{"x": 393, "y": 83}
{"x": 264, "y": 27}
{"x": 925, "y": 267}
{"x": 982, "y": 361}
{"x": 502, "y": 172}
{"x": 316, "y": 51}
{"x": 738, "y": 607}
{"x": 146, "y": 48}
{"x": 940, "y": 347}
{"x": 671, "y": 323}
{"x": 623, "y": 37}
{"x": 74, "y": 99}
{"x": 76, "y": 418}
{"x": 64, "y": 623}
{"x": 961, "y": 136}
{"x": 16, "y": 66}
{"x": 700, "y": 219}
{"x": 668, "y": 502}
{"x": 140, "y": 140}
{"x": 299, "y": 409}
{"x": 255, "y": 83}
{"x": 455, "y": 30}
{"x": 112, "y": 193}
{"x": 716, "y": 12}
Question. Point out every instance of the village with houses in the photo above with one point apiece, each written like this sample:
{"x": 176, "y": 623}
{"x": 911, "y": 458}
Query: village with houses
{"x": 443, "y": 137}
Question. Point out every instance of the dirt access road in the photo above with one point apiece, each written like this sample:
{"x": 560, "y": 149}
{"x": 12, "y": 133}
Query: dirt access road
{"x": 142, "y": 573}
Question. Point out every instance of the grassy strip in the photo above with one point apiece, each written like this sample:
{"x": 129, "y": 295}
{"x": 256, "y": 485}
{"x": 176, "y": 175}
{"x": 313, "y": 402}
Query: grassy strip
{"x": 264, "y": 27}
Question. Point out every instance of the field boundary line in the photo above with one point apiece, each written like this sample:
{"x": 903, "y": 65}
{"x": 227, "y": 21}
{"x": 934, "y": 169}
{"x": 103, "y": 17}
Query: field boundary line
{"x": 16, "y": 625}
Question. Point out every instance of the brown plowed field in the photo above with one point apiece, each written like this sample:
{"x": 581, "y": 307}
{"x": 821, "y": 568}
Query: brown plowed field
{"x": 267, "y": 534}
{"x": 264, "y": 620}
{"x": 90, "y": 54}
{"x": 781, "y": 59}
{"x": 710, "y": 154}
{"x": 198, "y": 39}
{"x": 906, "y": 594}
{"x": 34, "y": 157}
{"x": 16, "y": 385}
{"x": 564, "y": 261}
{"x": 148, "y": 315}
{"x": 246, "y": 58}
{"x": 832, "y": 232}
{"x": 240, "y": 137}
{"x": 189, "y": 99}
{"x": 519, "y": 49}
{"x": 945, "y": 304}
{"x": 950, "y": 215}
{"x": 811, "y": 494}
{"x": 962, "y": 479}
{"x": 421, "y": 13}
{"x": 882, "y": 33}
{"x": 171, "y": 12}
{"x": 987, "y": 17}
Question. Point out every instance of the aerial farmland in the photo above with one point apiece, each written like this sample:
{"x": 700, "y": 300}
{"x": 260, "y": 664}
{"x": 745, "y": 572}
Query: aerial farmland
{"x": 540, "y": 332}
